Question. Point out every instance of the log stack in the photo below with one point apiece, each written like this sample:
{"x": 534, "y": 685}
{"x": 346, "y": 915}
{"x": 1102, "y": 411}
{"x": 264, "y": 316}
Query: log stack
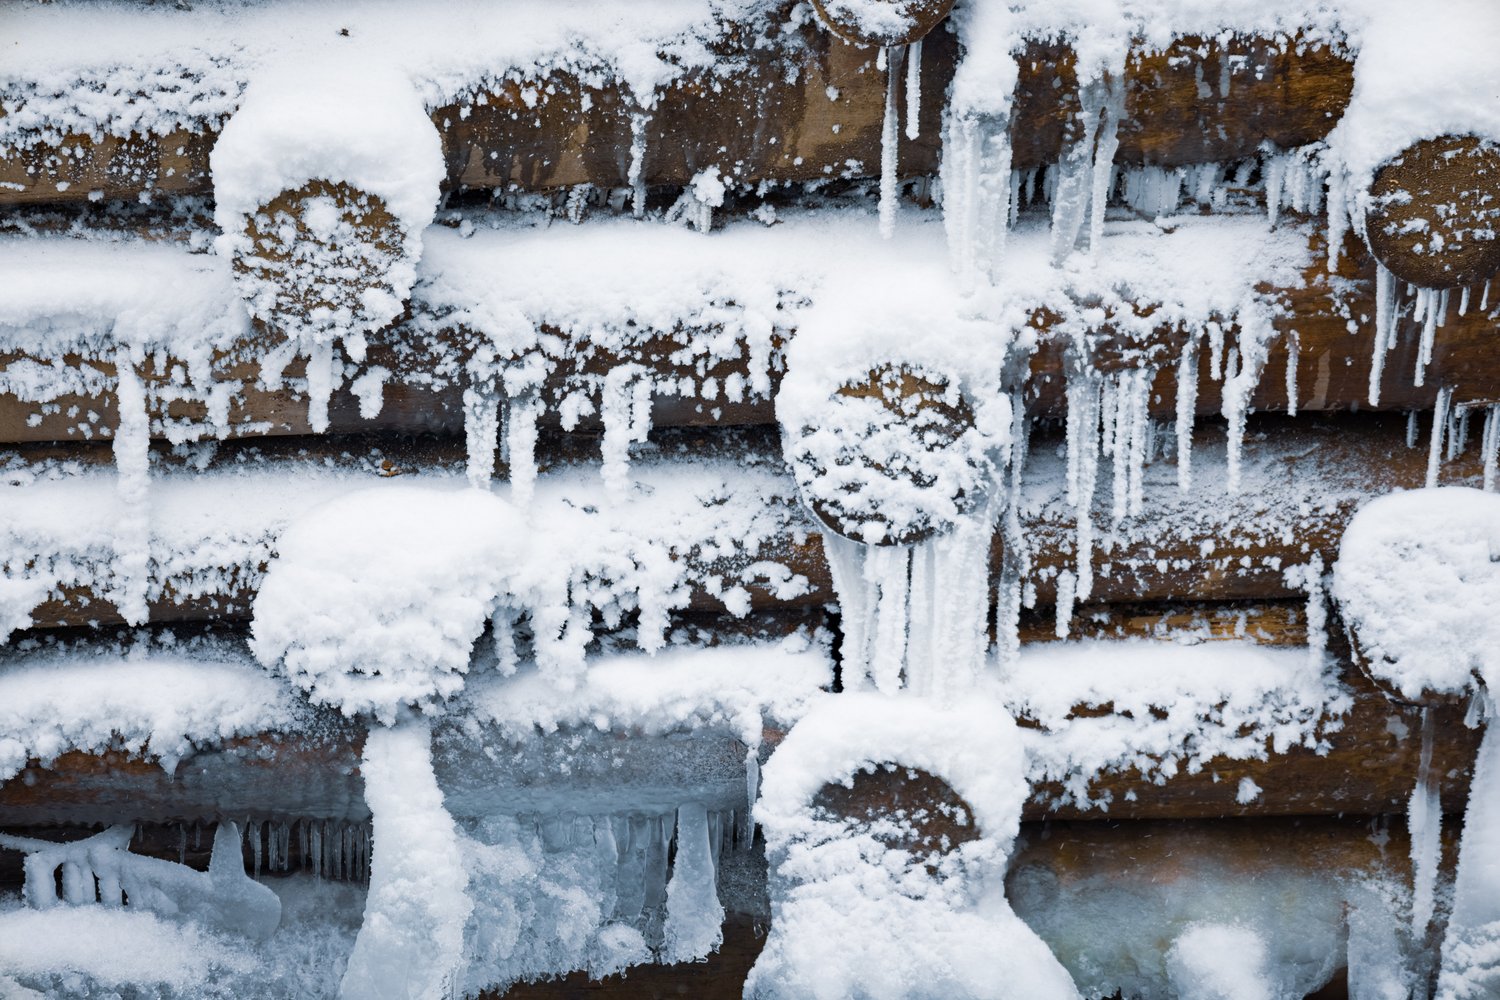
{"x": 652, "y": 426}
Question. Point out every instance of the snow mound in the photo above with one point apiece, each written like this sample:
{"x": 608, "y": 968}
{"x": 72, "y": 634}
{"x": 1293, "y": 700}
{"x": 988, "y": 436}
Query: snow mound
{"x": 375, "y": 599}
{"x": 1418, "y": 579}
{"x": 853, "y": 917}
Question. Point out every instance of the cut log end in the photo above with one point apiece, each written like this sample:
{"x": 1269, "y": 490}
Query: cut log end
{"x": 882, "y": 22}
{"x": 903, "y": 808}
{"x": 904, "y": 445}
{"x": 319, "y": 260}
{"x": 1434, "y": 217}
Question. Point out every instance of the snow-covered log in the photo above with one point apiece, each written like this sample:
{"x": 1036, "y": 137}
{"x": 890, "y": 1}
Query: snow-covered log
{"x": 818, "y": 105}
{"x": 882, "y": 22}
{"x": 1434, "y": 215}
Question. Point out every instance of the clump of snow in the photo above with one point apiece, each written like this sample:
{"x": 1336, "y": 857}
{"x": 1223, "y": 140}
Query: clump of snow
{"x": 852, "y": 916}
{"x": 375, "y": 600}
{"x": 160, "y": 701}
{"x": 1417, "y": 575}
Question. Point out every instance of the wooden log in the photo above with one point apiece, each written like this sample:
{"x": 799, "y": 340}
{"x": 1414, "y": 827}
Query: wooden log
{"x": 1434, "y": 212}
{"x": 305, "y": 261}
{"x": 1314, "y": 320}
{"x": 808, "y": 108}
{"x": 1370, "y": 769}
{"x": 1306, "y": 478}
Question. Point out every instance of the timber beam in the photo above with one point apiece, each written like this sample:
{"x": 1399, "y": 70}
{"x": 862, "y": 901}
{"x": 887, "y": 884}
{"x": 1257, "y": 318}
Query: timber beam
{"x": 817, "y": 103}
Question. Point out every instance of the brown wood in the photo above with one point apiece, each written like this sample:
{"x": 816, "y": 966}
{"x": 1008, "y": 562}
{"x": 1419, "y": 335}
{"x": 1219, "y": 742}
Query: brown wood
{"x": 1333, "y": 367}
{"x": 1434, "y": 212}
{"x": 1370, "y": 769}
{"x": 775, "y": 117}
{"x": 1182, "y": 548}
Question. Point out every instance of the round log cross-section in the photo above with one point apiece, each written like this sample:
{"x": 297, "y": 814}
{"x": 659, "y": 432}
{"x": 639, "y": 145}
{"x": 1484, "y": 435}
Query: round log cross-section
{"x": 904, "y": 808}
{"x": 1434, "y": 217}
{"x": 319, "y": 261}
{"x": 895, "y": 461}
{"x": 882, "y": 22}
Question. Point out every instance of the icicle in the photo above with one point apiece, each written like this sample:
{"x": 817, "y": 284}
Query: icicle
{"x": 1083, "y": 393}
{"x": 1254, "y": 339}
{"x": 695, "y": 918}
{"x": 625, "y": 407}
{"x": 1428, "y": 307}
{"x": 1484, "y": 300}
{"x": 1317, "y": 611}
{"x": 132, "y": 529}
{"x": 320, "y": 384}
{"x": 1385, "y": 324}
{"x": 1413, "y": 430}
{"x": 255, "y": 830}
{"x": 914, "y": 90}
{"x": 481, "y": 428}
{"x": 1016, "y": 556}
{"x": 1439, "y": 423}
{"x": 639, "y": 121}
{"x": 888, "y": 567}
{"x": 1338, "y": 219}
{"x": 1491, "y": 446}
{"x": 1424, "y": 822}
{"x": 1075, "y": 176}
{"x": 889, "y": 137}
{"x": 1293, "y": 350}
{"x": 1067, "y": 593}
{"x": 1471, "y": 945}
{"x": 1273, "y": 167}
{"x": 521, "y": 417}
{"x": 1215, "y": 350}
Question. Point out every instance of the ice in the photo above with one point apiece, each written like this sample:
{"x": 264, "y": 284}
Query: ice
{"x": 889, "y": 137}
{"x": 1491, "y": 447}
{"x": 1424, "y": 820}
{"x": 1440, "y": 417}
{"x": 639, "y": 122}
{"x": 100, "y": 869}
{"x": 914, "y": 90}
{"x": 1471, "y": 946}
{"x": 412, "y": 938}
{"x": 1379, "y": 967}
{"x": 694, "y": 915}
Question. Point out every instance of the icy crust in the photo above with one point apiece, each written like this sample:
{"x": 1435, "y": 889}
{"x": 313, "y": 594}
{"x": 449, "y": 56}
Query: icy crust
{"x": 735, "y": 687}
{"x": 1417, "y": 579}
{"x": 1174, "y": 708}
{"x": 854, "y": 917}
{"x": 160, "y": 701}
{"x": 374, "y": 600}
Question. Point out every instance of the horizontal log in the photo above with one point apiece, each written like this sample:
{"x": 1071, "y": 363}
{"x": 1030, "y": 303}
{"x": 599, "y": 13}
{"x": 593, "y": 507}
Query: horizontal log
{"x": 1326, "y": 323}
{"x": 805, "y": 109}
{"x": 1370, "y": 769}
{"x": 1303, "y": 480}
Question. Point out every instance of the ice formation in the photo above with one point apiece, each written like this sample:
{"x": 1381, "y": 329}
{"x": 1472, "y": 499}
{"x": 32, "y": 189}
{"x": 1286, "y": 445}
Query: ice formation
{"x": 844, "y": 903}
{"x": 411, "y": 940}
{"x": 101, "y": 869}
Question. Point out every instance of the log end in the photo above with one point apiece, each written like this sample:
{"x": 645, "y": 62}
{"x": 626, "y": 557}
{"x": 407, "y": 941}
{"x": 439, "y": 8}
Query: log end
{"x": 890, "y": 465}
{"x": 882, "y": 22}
{"x": 1434, "y": 218}
{"x": 319, "y": 260}
{"x": 904, "y": 808}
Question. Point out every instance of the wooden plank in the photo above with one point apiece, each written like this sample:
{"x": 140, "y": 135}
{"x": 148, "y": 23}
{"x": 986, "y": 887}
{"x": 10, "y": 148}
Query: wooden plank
{"x": 813, "y": 105}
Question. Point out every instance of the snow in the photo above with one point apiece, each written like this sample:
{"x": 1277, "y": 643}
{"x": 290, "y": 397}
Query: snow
{"x": 1415, "y": 578}
{"x": 411, "y": 940}
{"x": 1174, "y": 709}
{"x": 157, "y": 700}
{"x": 845, "y": 906}
{"x": 374, "y": 600}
